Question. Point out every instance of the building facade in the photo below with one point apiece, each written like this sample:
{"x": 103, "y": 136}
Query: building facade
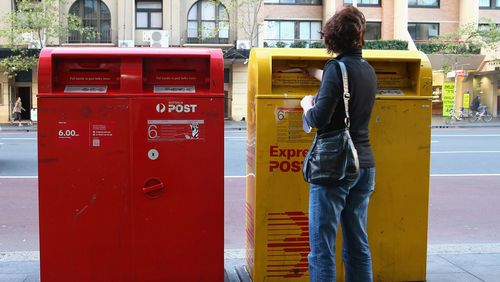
{"x": 236, "y": 26}
{"x": 285, "y": 22}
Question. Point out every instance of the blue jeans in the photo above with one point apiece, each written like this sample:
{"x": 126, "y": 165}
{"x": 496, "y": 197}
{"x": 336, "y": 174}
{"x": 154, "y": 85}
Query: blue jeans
{"x": 348, "y": 205}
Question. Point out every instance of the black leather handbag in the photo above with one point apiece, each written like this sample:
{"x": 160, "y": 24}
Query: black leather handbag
{"x": 332, "y": 156}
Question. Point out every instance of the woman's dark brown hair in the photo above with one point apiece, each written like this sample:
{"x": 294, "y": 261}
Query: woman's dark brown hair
{"x": 345, "y": 30}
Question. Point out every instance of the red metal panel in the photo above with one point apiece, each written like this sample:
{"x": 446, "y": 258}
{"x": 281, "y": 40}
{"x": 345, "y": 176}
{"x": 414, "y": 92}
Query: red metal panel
{"x": 131, "y": 81}
{"x": 84, "y": 189}
{"x": 131, "y": 179}
{"x": 178, "y": 229}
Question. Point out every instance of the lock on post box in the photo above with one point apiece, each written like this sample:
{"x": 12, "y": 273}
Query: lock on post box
{"x": 124, "y": 190}
{"x": 277, "y": 196}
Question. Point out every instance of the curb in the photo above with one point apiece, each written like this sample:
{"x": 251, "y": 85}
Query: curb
{"x": 486, "y": 125}
{"x": 20, "y": 128}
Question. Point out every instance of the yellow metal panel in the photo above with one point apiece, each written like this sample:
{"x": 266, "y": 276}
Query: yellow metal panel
{"x": 281, "y": 196}
{"x": 397, "y": 217}
{"x": 277, "y": 196}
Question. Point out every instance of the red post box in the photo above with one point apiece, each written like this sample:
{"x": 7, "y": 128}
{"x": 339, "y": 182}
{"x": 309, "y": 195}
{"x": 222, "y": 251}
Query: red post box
{"x": 130, "y": 164}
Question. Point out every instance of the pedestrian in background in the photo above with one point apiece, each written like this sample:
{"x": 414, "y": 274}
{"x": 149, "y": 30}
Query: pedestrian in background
{"x": 18, "y": 107}
{"x": 345, "y": 203}
{"x": 475, "y": 104}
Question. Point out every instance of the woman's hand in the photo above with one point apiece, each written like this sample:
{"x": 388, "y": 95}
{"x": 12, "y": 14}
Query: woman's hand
{"x": 307, "y": 103}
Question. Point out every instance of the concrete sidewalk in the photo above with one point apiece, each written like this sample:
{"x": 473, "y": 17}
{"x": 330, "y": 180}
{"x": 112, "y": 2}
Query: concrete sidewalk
{"x": 442, "y": 266}
{"x": 14, "y": 127}
{"x": 232, "y": 125}
{"x": 439, "y": 122}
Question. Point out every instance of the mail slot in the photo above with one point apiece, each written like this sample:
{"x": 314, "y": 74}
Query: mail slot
{"x": 277, "y": 196}
{"x": 130, "y": 163}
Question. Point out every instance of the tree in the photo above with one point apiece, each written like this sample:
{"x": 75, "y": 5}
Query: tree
{"x": 36, "y": 24}
{"x": 249, "y": 18}
{"x": 247, "y": 13}
{"x": 469, "y": 38}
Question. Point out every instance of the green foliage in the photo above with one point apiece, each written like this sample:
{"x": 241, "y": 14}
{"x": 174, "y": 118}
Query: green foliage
{"x": 299, "y": 44}
{"x": 468, "y": 39}
{"x": 21, "y": 60}
{"x": 36, "y": 24}
{"x": 490, "y": 36}
{"x": 386, "y": 45}
{"x": 317, "y": 45}
{"x": 448, "y": 48}
{"x": 280, "y": 44}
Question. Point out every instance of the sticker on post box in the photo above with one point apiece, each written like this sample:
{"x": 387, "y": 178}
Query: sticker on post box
{"x": 175, "y": 130}
{"x": 174, "y": 89}
{"x": 85, "y": 89}
{"x": 102, "y": 133}
{"x": 72, "y": 133}
{"x": 289, "y": 125}
{"x": 75, "y": 134}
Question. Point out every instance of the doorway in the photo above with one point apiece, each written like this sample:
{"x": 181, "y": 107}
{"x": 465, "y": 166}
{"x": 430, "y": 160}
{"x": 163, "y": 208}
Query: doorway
{"x": 498, "y": 105}
{"x": 25, "y": 94}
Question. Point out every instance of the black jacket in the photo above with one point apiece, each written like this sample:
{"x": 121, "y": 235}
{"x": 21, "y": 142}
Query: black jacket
{"x": 328, "y": 112}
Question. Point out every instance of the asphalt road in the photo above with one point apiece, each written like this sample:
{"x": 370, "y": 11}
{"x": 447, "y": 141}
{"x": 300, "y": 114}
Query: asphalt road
{"x": 465, "y": 186}
{"x": 454, "y": 151}
{"x": 18, "y": 154}
{"x": 465, "y": 151}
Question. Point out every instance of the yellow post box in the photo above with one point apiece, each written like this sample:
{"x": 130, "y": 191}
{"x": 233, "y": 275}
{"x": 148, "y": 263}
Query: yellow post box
{"x": 277, "y": 240}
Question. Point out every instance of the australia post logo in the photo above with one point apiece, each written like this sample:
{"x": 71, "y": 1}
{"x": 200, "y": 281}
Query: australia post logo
{"x": 286, "y": 159}
{"x": 176, "y": 107}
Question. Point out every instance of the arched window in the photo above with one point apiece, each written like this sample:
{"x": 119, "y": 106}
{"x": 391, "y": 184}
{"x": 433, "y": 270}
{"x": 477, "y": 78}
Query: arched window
{"x": 208, "y": 22}
{"x": 95, "y": 14}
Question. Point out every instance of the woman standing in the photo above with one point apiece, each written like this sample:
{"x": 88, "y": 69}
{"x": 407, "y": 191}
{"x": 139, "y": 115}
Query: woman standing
{"x": 18, "y": 107}
{"x": 342, "y": 202}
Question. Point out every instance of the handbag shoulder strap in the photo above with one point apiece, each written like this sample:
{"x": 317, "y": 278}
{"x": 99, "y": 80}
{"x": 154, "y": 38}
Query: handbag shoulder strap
{"x": 346, "y": 94}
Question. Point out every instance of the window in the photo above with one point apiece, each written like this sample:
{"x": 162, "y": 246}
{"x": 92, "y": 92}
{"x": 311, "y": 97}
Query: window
{"x": 423, "y": 3}
{"x": 423, "y": 31}
{"x": 148, "y": 15}
{"x": 363, "y": 2}
{"x": 294, "y": 2}
{"x": 485, "y": 27}
{"x": 489, "y": 4}
{"x": 373, "y": 31}
{"x": 484, "y": 3}
{"x": 208, "y": 22}
{"x": 291, "y": 33}
{"x": 94, "y": 14}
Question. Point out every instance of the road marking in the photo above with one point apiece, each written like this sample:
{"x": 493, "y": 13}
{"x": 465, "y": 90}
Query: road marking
{"x": 19, "y": 256}
{"x": 465, "y": 175}
{"x": 18, "y": 177}
{"x": 440, "y": 249}
{"x": 244, "y": 176}
{"x": 466, "y": 135}
{"x": 35, "y": 177}
{"x": 432, "y": 175}
{"x": 465, "y": 152}
{"x": 12, "y": 138}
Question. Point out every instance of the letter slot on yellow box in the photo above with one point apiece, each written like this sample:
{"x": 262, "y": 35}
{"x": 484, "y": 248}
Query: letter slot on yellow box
{"x": 277, "y": 196}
